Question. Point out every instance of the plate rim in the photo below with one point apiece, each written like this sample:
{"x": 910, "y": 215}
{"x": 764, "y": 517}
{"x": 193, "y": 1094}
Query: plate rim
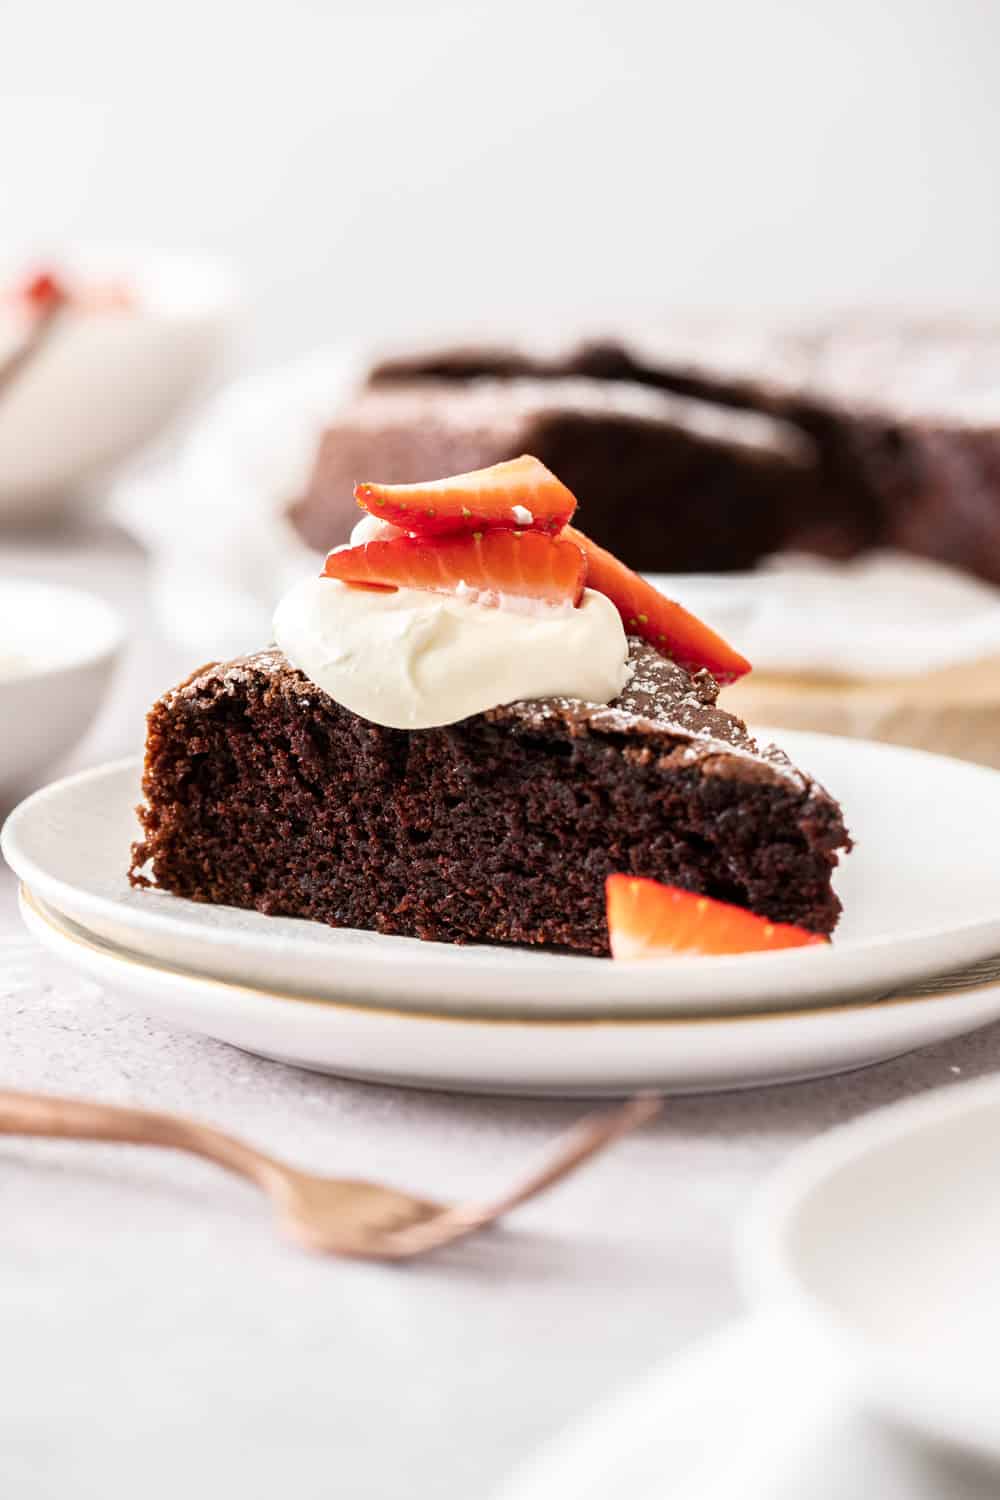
{"x": 548, "y": 1056}
{"x": 69, "y": 930}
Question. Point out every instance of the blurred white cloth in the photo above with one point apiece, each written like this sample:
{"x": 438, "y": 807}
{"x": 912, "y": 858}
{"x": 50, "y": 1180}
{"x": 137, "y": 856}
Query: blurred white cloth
{"x": 215, "y": 520}
{"x": 881, "y": 615}
{"x": 214, "y": 516}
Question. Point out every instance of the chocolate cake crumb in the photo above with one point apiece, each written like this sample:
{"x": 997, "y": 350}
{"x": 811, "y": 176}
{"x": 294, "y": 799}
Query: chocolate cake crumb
{"x": 261, "y": 792}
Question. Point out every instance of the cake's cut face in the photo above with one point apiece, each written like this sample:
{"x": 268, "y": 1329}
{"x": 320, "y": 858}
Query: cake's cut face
{"x": 667, "y": 483}
{"x": 262, "y": 792}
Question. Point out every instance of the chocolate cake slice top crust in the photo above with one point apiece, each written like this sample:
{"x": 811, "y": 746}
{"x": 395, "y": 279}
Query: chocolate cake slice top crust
{"x": 664, "y": 481}
{"x": 262, "y": 792}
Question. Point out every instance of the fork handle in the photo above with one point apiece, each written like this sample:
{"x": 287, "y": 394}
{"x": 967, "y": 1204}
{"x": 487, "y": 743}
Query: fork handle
{"x": 86, "y": 1120}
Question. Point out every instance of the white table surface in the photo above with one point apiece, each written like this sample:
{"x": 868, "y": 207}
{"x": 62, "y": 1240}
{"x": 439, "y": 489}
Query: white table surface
{"x": 157, "y": 1336}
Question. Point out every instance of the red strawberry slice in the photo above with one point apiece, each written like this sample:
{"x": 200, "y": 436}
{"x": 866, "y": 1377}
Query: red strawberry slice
{"x": 522, "y": 563}
{"x": 645, "y": 612}
{"x": 43, "y": 291}
{"x": 521, "y": 495}
{"x": 650, "y": 920}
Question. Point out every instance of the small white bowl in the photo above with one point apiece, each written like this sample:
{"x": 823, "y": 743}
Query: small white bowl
{"x": 108, "y": 380}
{"x": 882, "y": 1240}
{"x": 58, "y": 649}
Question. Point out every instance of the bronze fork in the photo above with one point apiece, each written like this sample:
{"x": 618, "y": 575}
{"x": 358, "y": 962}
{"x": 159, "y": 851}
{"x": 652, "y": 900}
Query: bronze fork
{"x": 338, "y": 1216}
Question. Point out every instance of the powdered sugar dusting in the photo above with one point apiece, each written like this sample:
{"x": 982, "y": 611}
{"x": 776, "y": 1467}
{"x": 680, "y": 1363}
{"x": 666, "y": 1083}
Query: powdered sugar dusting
{"x": 489, "y": 404}
{"x": 230, "y": 674}
{"x": 661, "y": 699}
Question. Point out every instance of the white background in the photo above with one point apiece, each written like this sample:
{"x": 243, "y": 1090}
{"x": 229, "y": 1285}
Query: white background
{"x": 379, "y": 166}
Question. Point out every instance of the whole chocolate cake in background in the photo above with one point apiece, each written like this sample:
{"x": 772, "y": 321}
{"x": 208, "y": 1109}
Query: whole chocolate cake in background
{"x": 661, "y": 476}
{"x": 904, "y": 420}
{"x": 865, "y": 436}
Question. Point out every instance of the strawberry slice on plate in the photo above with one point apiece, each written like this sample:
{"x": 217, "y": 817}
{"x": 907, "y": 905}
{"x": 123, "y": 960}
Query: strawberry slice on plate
{"x": 672, "y": 629}
{"x": 524, "y": 564}
{"x": 521, "y": 495}
{"x": 650, "y": 920}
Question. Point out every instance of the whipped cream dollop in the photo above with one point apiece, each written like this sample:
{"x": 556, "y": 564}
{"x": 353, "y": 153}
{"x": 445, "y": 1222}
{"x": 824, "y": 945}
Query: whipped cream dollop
{"x": 416, "y": 660}
{"x": 411, "y": 659}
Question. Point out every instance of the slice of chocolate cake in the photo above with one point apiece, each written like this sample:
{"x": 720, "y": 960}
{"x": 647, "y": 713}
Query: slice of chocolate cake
{"x": 668, "y": 483}
{"x": 262, "y": 792}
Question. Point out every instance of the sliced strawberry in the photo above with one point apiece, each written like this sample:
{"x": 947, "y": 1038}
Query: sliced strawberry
{"x": 645, "y": 612}
{"x": 43, "y": 291}
{"x": 650, "y": 920}
{"x": 519, "y": 495}
{"x": 492, "y": 563}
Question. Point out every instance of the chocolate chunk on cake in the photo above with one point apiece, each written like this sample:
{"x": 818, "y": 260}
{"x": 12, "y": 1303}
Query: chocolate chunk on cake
{"x": 668, "y": 483}
{"x": 262, "y": 792}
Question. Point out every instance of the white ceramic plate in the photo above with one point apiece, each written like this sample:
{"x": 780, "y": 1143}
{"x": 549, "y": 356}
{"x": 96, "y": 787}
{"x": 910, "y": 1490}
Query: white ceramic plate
{"x": 544, "y": 1054}
{"x": 733, "y": 1419}
{"x": 58, "y": 649}
{"x": 921, "y": 894}
{"x": 884, "y": 1237}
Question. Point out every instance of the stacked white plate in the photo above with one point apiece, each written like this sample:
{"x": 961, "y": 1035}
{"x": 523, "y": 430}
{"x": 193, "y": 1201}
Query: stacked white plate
{"x": 921, "y": 895}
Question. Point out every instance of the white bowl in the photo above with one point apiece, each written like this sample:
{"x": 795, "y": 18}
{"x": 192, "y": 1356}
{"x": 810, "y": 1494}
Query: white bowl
{"x": 108, "y": 380}
{"x": 882, "y": 1238}
{"x": 58, "y": 648}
